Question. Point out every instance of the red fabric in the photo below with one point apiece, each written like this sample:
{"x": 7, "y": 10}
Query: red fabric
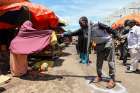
{"x": 7, "y": 2}
{"x": 6, "y": 26}
{"x": 42, "y": 17}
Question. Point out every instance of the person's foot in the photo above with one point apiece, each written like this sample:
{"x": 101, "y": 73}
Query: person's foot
{"x": 83, "y": 62}
{"x": 80, "y": 61}
{"x": 128, "y": 70}
{"x": 121, "y": 58}
{"x": 125, "y": 64}
{"x": 96, "y": 80}
{"x": 132, "y": 71}
{"x": 111, "y": 84}
{"x": 137, "y": 70}
{"x": 90, "y": 62}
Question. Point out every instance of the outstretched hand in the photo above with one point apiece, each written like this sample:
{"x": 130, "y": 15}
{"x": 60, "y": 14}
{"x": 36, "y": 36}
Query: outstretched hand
{"x": 61, "y": 35}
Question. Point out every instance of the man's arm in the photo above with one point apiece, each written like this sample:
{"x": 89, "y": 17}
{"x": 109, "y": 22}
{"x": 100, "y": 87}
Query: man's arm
{"x": 74, "y": 33}
{"x": 109, "y": 30}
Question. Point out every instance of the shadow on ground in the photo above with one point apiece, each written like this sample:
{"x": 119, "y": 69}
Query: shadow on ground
{"x": 58, "y": 62}
{"x": 65, "y": 54}
{"x": 47, "y": 77}
{"x": 35, "y": 76}
{"x": 137, "y": 72}
{"x": 2, "y": 89}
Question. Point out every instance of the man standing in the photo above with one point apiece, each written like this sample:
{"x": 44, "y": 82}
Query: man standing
{"x": 133, "y": 45}
{"x": 123, "y": 47}
{"x": 82, "y": 34}
{"x": 124, "y": 43}
{"x": 101, "y": 35}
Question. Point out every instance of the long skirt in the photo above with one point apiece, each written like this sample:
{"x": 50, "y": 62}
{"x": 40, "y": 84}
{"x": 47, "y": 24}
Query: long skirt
{"x": 18, "y": 64}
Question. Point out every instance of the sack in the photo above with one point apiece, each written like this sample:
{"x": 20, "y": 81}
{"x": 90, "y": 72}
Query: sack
{"x": 53, "y": 38}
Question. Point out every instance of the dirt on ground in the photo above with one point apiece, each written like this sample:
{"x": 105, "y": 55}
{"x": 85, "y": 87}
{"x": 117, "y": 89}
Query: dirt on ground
{"x": 69, "y": 76}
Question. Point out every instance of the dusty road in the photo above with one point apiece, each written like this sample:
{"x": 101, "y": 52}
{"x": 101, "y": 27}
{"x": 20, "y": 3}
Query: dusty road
{"x": 68, "y": 76}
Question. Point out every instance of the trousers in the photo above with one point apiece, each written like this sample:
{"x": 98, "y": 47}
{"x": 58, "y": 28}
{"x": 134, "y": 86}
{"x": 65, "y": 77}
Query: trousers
{"x": 135, "y": 57}
{"x": 105, "y": 53}
{"x": 84, "y": 58}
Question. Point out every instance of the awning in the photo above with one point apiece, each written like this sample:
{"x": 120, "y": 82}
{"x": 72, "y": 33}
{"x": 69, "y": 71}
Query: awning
{"x": 42, "y": 17}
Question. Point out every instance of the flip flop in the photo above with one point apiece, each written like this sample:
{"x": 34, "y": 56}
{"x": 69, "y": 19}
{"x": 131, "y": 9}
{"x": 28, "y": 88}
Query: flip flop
{"x": 111, "y": 85}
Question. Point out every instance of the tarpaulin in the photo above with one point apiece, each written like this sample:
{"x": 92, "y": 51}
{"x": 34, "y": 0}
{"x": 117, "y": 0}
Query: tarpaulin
{"x": 120, "y": 22}
{"x": 7, "y": 2}
{"x": 30, "y": 40}
{"x": 42, "y": 17}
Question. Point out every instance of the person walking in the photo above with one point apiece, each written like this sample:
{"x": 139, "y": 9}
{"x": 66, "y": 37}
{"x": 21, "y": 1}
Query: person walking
{"x": 133, "y": 45}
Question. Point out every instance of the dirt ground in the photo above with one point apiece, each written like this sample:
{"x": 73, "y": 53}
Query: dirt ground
{"x": 69, "y": 76}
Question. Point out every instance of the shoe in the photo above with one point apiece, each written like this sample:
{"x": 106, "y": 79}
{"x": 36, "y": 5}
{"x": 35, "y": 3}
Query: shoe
{"x": 80, "y": 61}
{"x": 90, "y": 62}
{"x": 111, "y": 84}
{"x": 83, "y": 62}
{"x": 137, "y": 70}
{"x": 125, "y": 64}
{"x": 96, "y": 80}
{"x": 130, "y": 71}
{"x": 121, "y": 58}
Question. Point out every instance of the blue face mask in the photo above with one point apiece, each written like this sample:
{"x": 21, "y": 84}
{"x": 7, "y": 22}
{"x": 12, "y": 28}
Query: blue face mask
{"x": 126, "y": 30}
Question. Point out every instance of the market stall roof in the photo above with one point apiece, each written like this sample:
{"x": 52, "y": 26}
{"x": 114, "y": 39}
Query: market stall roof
{"x": 42, "y": 17}
{"x": 7, "y": 2}
{"x": 120, "y": 22}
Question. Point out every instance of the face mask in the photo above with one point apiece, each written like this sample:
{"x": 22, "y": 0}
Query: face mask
{"x": 126, "y": 29}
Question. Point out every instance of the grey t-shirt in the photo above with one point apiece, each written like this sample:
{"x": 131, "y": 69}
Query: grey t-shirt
{"x": 99, "y": 35}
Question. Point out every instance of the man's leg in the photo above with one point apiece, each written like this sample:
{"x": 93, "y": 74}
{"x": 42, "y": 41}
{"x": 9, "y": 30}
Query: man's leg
{"x": 121, "y": 52}
{"x": 81, "y": 57}
{"x": 134, "y": 60}
{"x": 77, "y": 48}
{"x": 134, "y": 65}
{"x": 125, "y": 53}
{"x": 112, "y": 70}
{"x": 111, "y": 64}
{"x": 99, "y": 63}
{"x": 84, "y": 58}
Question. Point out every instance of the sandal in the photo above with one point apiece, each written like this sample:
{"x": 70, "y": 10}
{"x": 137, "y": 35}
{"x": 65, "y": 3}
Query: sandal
{"x": 96, "y": 80}
{"x": 111, "y": 84}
